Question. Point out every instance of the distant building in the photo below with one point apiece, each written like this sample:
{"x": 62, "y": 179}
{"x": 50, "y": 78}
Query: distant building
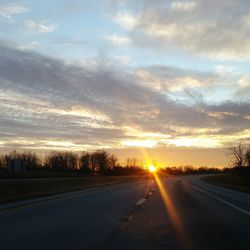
{"x": 17, "y": 166}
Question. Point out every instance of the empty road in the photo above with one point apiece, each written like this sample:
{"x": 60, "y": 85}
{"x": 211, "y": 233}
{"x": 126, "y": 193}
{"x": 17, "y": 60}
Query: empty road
{"x": 168, "y": 213}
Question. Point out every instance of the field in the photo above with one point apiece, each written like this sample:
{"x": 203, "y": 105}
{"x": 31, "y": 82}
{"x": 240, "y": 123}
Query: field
{"x": 238, "y": 182}
{"x": 22, "y": 189}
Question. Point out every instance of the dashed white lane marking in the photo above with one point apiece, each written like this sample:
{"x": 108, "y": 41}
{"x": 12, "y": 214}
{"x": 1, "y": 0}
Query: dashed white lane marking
{"x": 141, "y": 201}
{"x": 223, "y": 201}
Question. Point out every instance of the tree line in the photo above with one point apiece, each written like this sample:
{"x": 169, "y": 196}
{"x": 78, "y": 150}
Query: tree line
{"x": 188, "y": 169}
{"x": 96, "y": 162}
{"x": 240, "y": 163}
{"x": 103, "y": 162}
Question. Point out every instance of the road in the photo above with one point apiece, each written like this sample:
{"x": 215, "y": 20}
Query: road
{"x": 177, "y": 213}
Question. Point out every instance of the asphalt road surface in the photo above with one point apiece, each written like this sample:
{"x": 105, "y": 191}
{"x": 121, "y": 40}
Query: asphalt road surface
{"x": 168, "y": 213}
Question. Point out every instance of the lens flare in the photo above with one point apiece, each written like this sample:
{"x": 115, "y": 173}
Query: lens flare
{"x": 184, "y": 240}
{"x": 174, "y": 216}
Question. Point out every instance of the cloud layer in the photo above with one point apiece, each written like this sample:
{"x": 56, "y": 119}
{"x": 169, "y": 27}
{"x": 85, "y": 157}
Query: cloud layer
{"x": 47, "y": 103}
{"x": 217, "y": 30}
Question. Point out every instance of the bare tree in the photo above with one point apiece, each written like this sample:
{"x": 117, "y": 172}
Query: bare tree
{"x": 112, "y": 162}
{"x": 240, "y": 155}
{"x": 31, "y": 160}
{"x": 61, "y": 161}
{"x": 3, "y": 163}
{"x": 100, "y": 161}
{"x": 85, "y": 162}
{"x": 248, "y": 157}
{"x": 132, "y": 162}
{"x": 128, "y": 162}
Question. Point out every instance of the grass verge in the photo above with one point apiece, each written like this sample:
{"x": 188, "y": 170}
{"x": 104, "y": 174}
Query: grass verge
{"x": 22, "y": 189}
{"x": 237, "y": 182}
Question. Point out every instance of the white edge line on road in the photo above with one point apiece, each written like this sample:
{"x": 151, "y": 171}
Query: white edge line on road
{"x": 223, "y": 201}
{"x": 141, "y": 201}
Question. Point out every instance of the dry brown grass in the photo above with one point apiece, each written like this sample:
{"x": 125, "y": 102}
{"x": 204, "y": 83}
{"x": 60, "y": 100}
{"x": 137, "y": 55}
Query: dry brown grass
{"x": 22, "y": 189}
{"x": 238, "y": 182}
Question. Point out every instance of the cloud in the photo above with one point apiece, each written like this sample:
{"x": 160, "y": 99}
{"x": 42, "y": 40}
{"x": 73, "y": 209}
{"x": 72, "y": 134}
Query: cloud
{"x": 8, "y": 10}
{"x": 45, "y": 100}
{"x": 176, "y": 81}
{"x": 244, "y": 80}
{"x": 123, "y": 59}
{"x": 164, "y": 83}
{"x": 118, "y": 40}
{"x": 43, "y": 27}
{"x": 219, "y": 31}
{"x": 30, "y": 45}
{"x": 125, "y": 20}
{"x": 183, "y": 5}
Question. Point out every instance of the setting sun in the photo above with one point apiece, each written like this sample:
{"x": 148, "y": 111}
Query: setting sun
{"x": 152, "y": 168}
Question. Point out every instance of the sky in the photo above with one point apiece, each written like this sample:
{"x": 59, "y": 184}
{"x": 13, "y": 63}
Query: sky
{"x": 169, "y": 78}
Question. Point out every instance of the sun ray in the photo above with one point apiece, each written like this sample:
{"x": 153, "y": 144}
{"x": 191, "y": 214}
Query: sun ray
{"x": 171, "y": 210}
{"x": 180, "y": 230}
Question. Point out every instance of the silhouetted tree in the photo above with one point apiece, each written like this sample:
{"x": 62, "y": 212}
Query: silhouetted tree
{"x": 174, "y": 170}
{"x": 31, "y": 160}
{"x": 240, "y": 156}
{"x": 132, "y": 162}
{"x": 99, "y": 161}
{"x": 72, "y": 160}
{"x": 3, "y": 163}
{"x": 112, "y": 162}
{"x": 188, "y": 169}
{"x": 85, "y": 162}
{"x": 61, "y": 161}
{"x": 248, "y": 157}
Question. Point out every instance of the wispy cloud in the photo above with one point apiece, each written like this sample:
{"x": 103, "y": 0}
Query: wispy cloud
{"x": 166, "y": 82}
{"x": 44, "y": 26}
{"x": 8, "y": 10}
{"x": 125, "y": 20}
{"x": 118, "y": 40}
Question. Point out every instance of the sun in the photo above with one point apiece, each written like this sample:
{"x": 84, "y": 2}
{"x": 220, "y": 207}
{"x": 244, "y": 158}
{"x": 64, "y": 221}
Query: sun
{"x": 152, "y": 168}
